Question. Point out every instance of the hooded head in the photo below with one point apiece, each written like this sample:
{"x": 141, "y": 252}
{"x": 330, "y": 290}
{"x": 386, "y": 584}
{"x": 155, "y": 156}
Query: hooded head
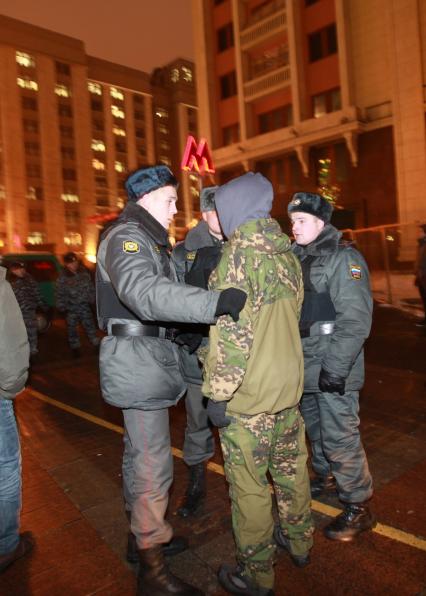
{"x": 306, "y": 202}
{"x": 148, "y": 179}
{"x": 243, "y": 199}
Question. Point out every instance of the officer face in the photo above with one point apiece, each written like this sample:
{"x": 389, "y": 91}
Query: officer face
{"x": 161, "y": 204}
{"x": 18, "y": 271}
{"x": 211, "y": 219}
{"x": 306, "y": 227}
{"x": 73, "y": 266}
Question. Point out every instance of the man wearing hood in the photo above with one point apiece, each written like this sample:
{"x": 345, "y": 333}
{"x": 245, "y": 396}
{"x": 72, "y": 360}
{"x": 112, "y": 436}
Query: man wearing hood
{"x": 139, "y": 302}
{"x": 254, "y": 380}
{"x": 335, "y": 322}
{"x": 195, "y": 259}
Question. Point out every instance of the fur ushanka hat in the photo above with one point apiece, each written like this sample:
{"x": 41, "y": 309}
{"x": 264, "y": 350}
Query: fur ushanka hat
{"x": 148, "y": 179}
{"x": 307, "y": 202}
{"x": 207, "y": 202}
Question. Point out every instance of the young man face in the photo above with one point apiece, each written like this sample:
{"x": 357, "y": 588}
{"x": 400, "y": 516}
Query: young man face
{"x": 73, "y": 266}
{"x": 306, "y": 227}
{"x": 212, "y": 221}
{"x": 18, "y": 271}
{"x": 161, "y": 204}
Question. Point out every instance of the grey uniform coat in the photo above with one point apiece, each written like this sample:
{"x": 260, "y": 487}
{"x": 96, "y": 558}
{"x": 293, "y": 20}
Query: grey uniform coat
{"x": 338, "y": 268}
{"x": 133, "y": 267}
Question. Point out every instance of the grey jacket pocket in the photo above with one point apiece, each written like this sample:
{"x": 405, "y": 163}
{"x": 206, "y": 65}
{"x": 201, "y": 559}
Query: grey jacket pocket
{"x": 140, "y": 372}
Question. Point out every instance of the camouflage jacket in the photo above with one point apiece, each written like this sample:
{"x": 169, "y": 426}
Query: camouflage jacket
{"x": 256, "y": 364}
{"x": 74, "y": 289}
{"x": 27, "y": 293}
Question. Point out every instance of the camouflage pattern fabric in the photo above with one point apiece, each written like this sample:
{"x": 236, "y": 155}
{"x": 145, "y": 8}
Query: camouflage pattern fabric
{"x": 28, "y": 296}
{"x": 251, "y": 446}
{"x": 73, "y": 289}
{"x": 81, "y": 313}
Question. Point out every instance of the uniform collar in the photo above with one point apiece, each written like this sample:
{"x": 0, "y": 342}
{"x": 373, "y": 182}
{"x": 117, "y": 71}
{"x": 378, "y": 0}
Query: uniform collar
{"x": 134, "y": 212}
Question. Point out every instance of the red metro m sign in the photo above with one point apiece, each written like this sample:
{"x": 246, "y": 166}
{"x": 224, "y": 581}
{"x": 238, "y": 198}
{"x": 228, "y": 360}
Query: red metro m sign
{"x": 197, "y": 157}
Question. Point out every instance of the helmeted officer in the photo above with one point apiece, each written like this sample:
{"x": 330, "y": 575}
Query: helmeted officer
{"x": 139, "y": 301}
{"x": 195, "y": 259}
{"x": 335, "y": 322}
{"x": 75, "y": 295}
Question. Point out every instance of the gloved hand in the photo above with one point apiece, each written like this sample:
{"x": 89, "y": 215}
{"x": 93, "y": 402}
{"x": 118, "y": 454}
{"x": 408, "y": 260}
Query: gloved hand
{"x": 329, "y": 383}
{"x": 216, "y": 411}
{"x": 231, "y": 302}
{"x": 191, "y": 340}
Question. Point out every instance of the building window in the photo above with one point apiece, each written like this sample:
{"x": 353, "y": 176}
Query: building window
{"x": 62, "y": 90}
{"x": 97, "y": 164}
{"x": 25, "y": 60}
{"x": 326, "y": 102}
{"x": 69, "y": 197}
{"x": 29, "y": 103}
{"x": 34, "y": 193}
{"x": 32, "y": 148}
{"x": 161, "y": 113}
{"x": 98, "y": 145}
{"x": 35, "y": 215}
{"x": 120, "y": 146}
{"x": 98, "y": 125}
{"x": 228, "y": 85}
{"x": 165, "y": 159}
{"x": 72, "y": 216}
{"x": 66, "y": 131}
{"x": 225, "y": 37}
{"x": 117, "y": 112}
{"x": 138, "y": 99}
{"x": 72, "y": 239}
{"x": 119, "y": 166}
{"x": 30, "y": 125}
{"x": 96, "y": 105}
{"x": 27, "y": 83}
{"x": 33, "y": 170}
{"x": 116, "y": 93}
{"x": 94, "y": 88}
{"x": 139, "y": 115}
{"x": 119, "y": 132}
{"x": 101, "y": 182}
{"x": 231, "y": 134}
{"x": 187, "y": 74}
{"x": 67, "y": 153}
{"x": 279, "y": 118}
{"x": 64, "y": 110}
{"x": 69, "y": 174}
{"x": 63, "y": 69}
{"x": 174, "y": 75}
{"x": 310, "y": 2}
{"x": 322, "y": 43}
{"x": 35, "y": 238}
{"x": 140, "y": 133}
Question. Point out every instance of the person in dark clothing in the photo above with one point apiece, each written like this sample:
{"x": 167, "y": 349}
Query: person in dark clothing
{"x": 194, "y": 259}
{"x": 420, "y": 273}
{"x": 28, "y": 296}
{"x": 334, "y": 324}
{"x": 75, "y": 295}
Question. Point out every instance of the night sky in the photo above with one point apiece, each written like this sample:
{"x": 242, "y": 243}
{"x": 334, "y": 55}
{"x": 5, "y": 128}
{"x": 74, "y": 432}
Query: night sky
{"x": 142, "y": 34}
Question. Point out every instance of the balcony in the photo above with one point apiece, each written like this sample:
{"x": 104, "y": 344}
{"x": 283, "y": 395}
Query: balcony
{"x": 267, "y": 83}
{"x": 266, "y": 27}
{"x": 264, "y": 65}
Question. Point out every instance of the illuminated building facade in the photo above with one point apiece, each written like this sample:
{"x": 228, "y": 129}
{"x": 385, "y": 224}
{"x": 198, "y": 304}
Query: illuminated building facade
{"x": 315, "y": 94}
{"x": 72, "y": 127}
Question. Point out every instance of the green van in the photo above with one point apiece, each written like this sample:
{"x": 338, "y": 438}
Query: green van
{"x": 43, "y": 266}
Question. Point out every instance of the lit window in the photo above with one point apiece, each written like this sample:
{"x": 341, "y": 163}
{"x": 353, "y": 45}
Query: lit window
{"x": 193, "y": 177}
{"x": 62, "y": 90}
{"x": 120, "y": 132}
{"x": 31, "y": 193}
{"x": 161, "y": 113}
{"x": 116, "y": 93}
{"x": 164, "y": 145}
{"x": 98, "y": 165}
{"x": 94, "y": 88}
{"x": 187, "y": 74}
{"x": 72, "y": 238}
{"x": 35, "y": 238}
{"x": 165, "y": 159}
{"x": 68, "y": 197}
{"x": 194, "y": 191}
{"x": 119, "y": 166}
{"x": 117, "y": 112}
{"x": 25, "y": 60}
{"x": 319, "y": 105}
{"x": 163, "y": 129}
{"x": 120, "y": 202}
{"x": 98, "y": 145}
{"x": 174, "y": 75}
{"x": 27, "y": 83}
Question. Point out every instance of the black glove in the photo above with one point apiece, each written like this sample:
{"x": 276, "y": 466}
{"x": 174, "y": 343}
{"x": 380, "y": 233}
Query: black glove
{"x": 216, "y": 412}
{"x": 191, "y": 340}
{"x": 231, "y": 302}
{"x": 329, "y": 383}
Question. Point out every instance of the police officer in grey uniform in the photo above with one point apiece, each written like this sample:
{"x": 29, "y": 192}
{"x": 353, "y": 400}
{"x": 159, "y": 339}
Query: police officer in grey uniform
{"x": 335, "y": 322}
{"x": 139, "y": 302}
{"x": 195, "y": 259}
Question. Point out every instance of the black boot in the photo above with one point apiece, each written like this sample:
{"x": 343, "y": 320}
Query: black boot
{"x": 235, "y": 582}
{"x": 284, "y": 542}
{"x": 354, "y": 519}
{"x": 196, "y": 491}
{"x": 322, "y": 484}
{"x": 176, "y": 545}
{"x": 155, "y": 579}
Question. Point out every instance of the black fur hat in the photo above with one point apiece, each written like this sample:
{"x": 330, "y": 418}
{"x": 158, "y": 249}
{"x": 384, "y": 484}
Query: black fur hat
{"x": 307, "y": 202}
{"x": 207, "y": 202}
{"x": 148, "y": 179}
{"x": 70, "y": 257}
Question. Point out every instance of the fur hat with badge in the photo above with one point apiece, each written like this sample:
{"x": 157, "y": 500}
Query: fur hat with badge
{"x": 314, "y": 204}
{"x": 207, "y": 202}
{"x": 147, "y": 180}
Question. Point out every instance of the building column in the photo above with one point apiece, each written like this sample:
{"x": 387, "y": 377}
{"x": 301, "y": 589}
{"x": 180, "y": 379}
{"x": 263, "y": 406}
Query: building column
{"x": 405, "y": 56}
{"x": 242, "y": 109}
{"x": 149, "y": 130}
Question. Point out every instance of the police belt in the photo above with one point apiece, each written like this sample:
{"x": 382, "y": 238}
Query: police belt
{"x": 138, "y": 330}
{"x": 320, "y": 329}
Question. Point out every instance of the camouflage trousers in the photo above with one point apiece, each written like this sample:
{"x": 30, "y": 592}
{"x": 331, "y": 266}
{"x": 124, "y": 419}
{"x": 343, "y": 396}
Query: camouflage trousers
{"x": 30, "y": 320}
{"x": 82, "y": 314}
{"x": 252, "y": 446}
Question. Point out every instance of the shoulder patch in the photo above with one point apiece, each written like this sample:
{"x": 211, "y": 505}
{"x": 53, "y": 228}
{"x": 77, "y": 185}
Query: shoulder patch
{"x": 131, "y": 246}
{"x": 190, "y": 256}
{"x": 355, "y": 271}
